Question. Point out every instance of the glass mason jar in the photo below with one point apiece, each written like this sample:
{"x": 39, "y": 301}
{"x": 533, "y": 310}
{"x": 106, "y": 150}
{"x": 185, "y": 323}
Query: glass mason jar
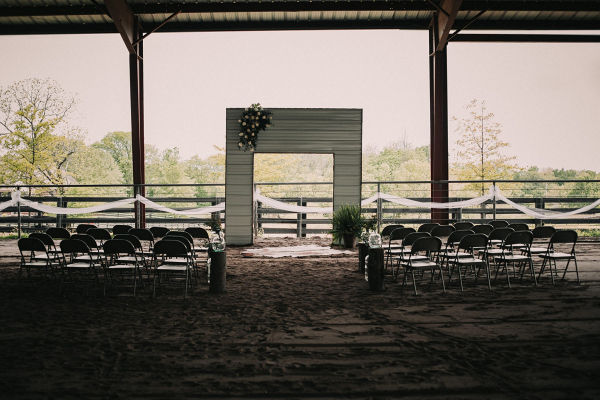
{"x": 218, "y": 242}
{"x": 375, "y": 240}
{"x": 364, "y": 237}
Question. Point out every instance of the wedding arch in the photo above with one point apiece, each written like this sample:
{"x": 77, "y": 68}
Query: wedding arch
{"x": 294, "y": 130}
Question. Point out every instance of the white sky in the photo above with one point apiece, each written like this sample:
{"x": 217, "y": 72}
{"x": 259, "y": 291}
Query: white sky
{"x": 546, "y": 96}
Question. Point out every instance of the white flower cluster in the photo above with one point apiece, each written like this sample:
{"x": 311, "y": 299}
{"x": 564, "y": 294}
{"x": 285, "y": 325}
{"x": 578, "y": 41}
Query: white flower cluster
{"x": 253, "y": 120}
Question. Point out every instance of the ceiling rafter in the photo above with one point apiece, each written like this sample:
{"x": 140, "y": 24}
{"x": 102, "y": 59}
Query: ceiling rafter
{"x": 288, "y": 6}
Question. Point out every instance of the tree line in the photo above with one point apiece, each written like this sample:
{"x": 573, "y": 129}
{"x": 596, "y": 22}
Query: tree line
{"x": 39, "y": 145}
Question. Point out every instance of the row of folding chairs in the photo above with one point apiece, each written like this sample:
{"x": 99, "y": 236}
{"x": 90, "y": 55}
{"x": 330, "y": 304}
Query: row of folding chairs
{"x": 467, "y": 249}
{"x": 39, "y": 254}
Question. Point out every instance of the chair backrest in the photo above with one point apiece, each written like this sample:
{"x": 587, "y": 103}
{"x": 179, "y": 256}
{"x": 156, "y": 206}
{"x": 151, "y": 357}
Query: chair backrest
{"x": 389, "y": 229}
{"x": 181, "y": 239}
{"x": 519, "y": 237}
{"x": 566, "y": 236}
{"x": 58, "y": 233}
{"x": 87, "y": 239}
{"x": 442, "y": 231}
{"x": 181, "y": 233}
{"x": 498, "y": 223}
{"x": 31, "y": 244}
{"x": 413, "y": 237}
{"x": 463, "y": 225}
{"x": 473, "y": 240}
{"x": 519, "y": 227}
{"x": 456, "y": 236}
{"x": 159, "y": 231}
{"x": 400, "y": 233}
{"x": 543, "y": 232}
{"x": 500, "y": 233}
{"x": 118, "y": 246}
{"x": 197, "y": 232}
{"x": 426, "y": 243}
{"x": 121, "y": 229}
{"x": 83, "y": 228}
{"x": 483, "y": 228}
{"x": 45, "y": 238}
{"x": 427, "y": 227}
{"x": 99, "y": 234}
{"x": 142, "y": 234}
{"x": 131, "y": 239}
{"x": 170, "y": 248}
{"x": 74, "y": 246}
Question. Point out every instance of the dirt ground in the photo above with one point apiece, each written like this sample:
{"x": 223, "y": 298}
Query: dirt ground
{"x": 304, "y": 328}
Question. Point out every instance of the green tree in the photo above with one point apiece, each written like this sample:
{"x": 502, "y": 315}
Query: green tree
{"x": 34, "y": 133}
{"x": 118, "y": 146}
{"x": 479, "y": 155}
{"x": 92, "y": 166}
{"x": 207, "y": 170}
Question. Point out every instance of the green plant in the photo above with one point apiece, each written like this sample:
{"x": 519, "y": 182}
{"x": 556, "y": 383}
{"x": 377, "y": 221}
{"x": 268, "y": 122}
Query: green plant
{"x": 347, "y": 220}
{"x": 215, "y": 222}
{"x": 371, "y": 223}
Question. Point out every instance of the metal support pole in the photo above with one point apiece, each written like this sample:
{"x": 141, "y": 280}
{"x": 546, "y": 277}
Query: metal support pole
{"x": 379, "y": 208}
{"x": 299, "y": 222}
{"x": 494, "y": 199}
{"x": 59, "y": 216}
{"x": 18, "y": 217}
{"x": 138, "y": 211}
{"x": 438, "y": 94}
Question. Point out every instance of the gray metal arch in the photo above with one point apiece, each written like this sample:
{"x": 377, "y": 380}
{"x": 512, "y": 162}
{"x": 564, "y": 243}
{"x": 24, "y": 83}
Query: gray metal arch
{"x": 306, "y": 130}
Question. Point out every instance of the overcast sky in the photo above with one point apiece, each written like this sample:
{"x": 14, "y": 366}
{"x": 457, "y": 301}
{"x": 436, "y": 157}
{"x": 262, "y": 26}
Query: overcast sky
{"x": 546, "y": 96}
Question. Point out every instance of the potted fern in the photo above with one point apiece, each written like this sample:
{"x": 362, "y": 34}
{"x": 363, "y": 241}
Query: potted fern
{"x": 348, "y": 224}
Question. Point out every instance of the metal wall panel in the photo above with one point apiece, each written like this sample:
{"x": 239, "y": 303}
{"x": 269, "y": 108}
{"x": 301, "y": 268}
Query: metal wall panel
{"x": 294, "y": 130}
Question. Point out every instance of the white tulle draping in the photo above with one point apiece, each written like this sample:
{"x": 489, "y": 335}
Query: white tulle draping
{"x": 427, "y": 204}
{"x": 280, "y": 205}
{"x": 14, "y": 199}
{"x": 546, "y": 214}
{"x": 192, "y": 212}
{"x": 83, "y": 210}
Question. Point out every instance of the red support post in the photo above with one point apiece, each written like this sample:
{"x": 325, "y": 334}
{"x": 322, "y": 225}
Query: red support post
{"x": 438, "y": 91}
{"x": 136, "y": 84}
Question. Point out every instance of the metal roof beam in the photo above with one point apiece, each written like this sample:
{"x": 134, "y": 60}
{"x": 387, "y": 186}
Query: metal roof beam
{"x": 287, "y": 6}
{"x": 444, "y": 21}
{"x": 527, "y": 38}
{"x": 124, "y": 20}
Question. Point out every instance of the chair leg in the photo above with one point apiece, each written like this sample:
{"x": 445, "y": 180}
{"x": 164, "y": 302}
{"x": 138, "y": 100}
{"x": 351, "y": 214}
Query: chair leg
{"x": 414, "y": 282}
{"x": 442, "y": 279}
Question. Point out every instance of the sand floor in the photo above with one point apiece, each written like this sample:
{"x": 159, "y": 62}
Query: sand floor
{"x": 304, "y": 328}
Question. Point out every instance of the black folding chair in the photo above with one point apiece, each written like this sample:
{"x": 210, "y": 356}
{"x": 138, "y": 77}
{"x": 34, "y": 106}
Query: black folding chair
{"x": 427, "y": 227}
{"x": 423, "y": 257}
{"x": 35, "y": 257}
{"x": 72, "y": 250}
{"x": 515, "y": 241}
{"x": 463, "y": 225}
{"x": 121, "y": 229}
{"x": 165, "y": 251}
{"x": 567, "y": 237}
{"x": 466, "y": 258}
{"x": 159, "y": 231}
{"x": 122, "y": 262}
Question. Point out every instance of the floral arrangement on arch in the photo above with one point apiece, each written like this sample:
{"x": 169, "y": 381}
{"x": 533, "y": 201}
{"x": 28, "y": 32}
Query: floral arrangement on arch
{"x": 253, "y": 120}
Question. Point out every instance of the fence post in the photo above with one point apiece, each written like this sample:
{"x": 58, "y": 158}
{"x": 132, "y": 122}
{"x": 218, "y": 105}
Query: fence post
{"x": 299, "y": 220}
{"x": 539, "y": 203}
{"x": 138, "y": 209}
{"x": 494, "y": 199}
{"x": 59, "y": 216}
{"x": 379, "y": 211}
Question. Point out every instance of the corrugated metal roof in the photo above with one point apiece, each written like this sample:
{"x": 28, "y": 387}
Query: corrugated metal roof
{"x": 87, "y": 16}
